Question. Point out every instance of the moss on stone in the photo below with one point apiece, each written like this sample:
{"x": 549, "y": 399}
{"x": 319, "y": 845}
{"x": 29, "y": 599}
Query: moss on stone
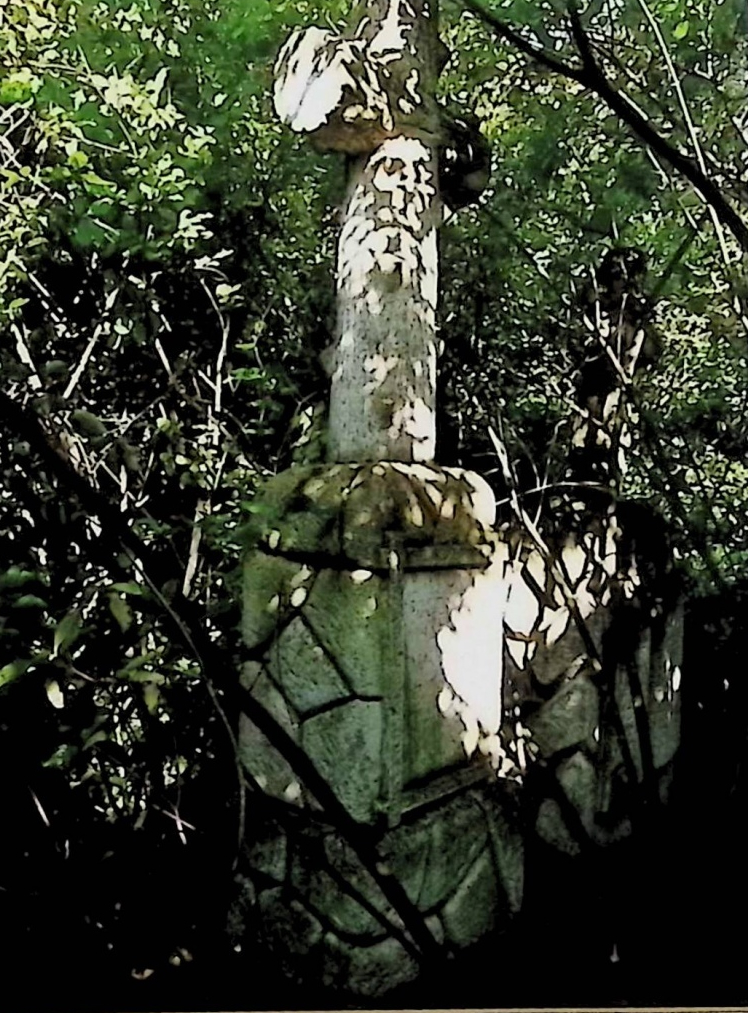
{"x": 337, "y": 509}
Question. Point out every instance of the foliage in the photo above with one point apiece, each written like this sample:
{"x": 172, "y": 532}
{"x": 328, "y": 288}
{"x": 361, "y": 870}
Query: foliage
{"x": 569, "y": 182}
{"x": 165, "y": 259}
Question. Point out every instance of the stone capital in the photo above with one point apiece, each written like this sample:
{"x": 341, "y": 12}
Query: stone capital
{"x": 351, "y": 92}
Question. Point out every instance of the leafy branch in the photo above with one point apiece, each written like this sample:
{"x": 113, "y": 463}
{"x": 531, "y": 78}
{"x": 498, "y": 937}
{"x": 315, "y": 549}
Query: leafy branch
{"x": 590, "y": 75}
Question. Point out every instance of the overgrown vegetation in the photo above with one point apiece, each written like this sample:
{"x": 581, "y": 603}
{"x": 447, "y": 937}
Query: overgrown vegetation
{"x": 165, "y": 291}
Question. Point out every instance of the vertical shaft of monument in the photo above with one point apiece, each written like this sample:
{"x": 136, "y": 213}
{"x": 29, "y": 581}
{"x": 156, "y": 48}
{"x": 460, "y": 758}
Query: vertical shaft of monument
{"x": 382, "y": 400}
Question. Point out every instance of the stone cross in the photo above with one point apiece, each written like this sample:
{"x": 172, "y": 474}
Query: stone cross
{"x": 370, "y": 95}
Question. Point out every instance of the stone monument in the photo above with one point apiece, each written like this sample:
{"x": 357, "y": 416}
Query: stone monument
{"x": 408, "y": 659}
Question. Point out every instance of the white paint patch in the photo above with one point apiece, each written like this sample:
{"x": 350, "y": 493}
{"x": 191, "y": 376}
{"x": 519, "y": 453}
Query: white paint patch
{"x": 554, "y": 624}
{"x": 379, "y": 367}
{"x": 523, "y": 608}
{"x": 482, "y": 498}
{"x": 55, "y": 694}
{"x": 306, "y": 91}
{"x": 445, "y": 701}
{"x": 361, "y": 576}
{"x": 411, "y": 86}
{"x": 586, "y": 599}
{"x": 415, "y": 419}
{"x": 302, "y": 576}
{"x": 676, "y": 679}
{"x": 518, "y": 652}
{"x": 448, "y": 509}
{"x": 292, "y": 792}
{"x": 374, "y": 302}
{"x": 392, "y": 34}
{"x": 536, "y": 568}
{"x": 429, "y": 275}
{"x": 574, "y": 559}
{"x": 472, "y": 647}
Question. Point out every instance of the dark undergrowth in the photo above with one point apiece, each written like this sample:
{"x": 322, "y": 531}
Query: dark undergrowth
{"x": 657, "y": 921}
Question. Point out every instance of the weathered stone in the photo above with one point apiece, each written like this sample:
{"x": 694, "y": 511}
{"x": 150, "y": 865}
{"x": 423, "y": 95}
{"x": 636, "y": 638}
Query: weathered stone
{"x": 432, "y": 855}
{"x": 346, "y": 863}
{"x": 665, "y": 707}
{"x": 345, "y": 746}
{"x": 284, "y": 519}
{"x": 350, "y": 614}
{"x": 268, "y": 852}
{"x": 628, "y": 703}
{"x": 665, "y": 780}
{"x": 372, "y": 970}
{"x": 351, "y": 509}
{"x": 249, "y": 673}
{"x": 262, "y": 760}
{"x": 551, "y": 828}
{"x": 268, "y": 586}
{"x": 242, "y": 908}
{"x": 291, "y": 931}
{"x": 664, "y": 731}
{"x": 581, "y": 784}
{"x": 569, "y": 652}
{"x": 304, "y": 672}
{"x": 267, "y": 693}
{"x": 643, "y": 666}
{"x": 434, "y": 741}
{"x": 567, "y": 719}
{"x": 406, "y": 852}
{"x": 338, "y": 906}
{"x": 509, "y": 854}
{"x": 471, "y": 911}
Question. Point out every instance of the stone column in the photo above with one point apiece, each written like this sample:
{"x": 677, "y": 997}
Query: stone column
{"x": 357, "y": 566}
{"x": 409, "y": 654}
{"x": 370, "y": 95}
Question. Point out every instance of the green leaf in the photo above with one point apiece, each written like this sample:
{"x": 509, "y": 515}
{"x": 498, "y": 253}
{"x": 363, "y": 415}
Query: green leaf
{"x": 88, "y": 423}
{"x": 681, "y": 30}
{"x": 91, "y": 740}
{"x": 15, "y": 577}
{"x": 67, "y": 632}
{"x": 27, "y": 601}
{"x": 11, "y": 176}
{"x": 129, "y": 587}
{"x": 88, "y": 234}
{"x": 14, "y": 91}
{"x": 121, "y": 611}
{"x": 143, "y": 676}
{"x": 9, "y": 673}
{"x": 151, "y": 696}
{"x": 61, "y": 757}
{"x": 78, "y": 159}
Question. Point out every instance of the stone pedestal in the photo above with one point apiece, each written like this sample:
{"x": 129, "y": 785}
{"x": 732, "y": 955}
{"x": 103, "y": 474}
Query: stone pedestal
{"x": 356, "y": 573}
{"x": 423, "y": 661}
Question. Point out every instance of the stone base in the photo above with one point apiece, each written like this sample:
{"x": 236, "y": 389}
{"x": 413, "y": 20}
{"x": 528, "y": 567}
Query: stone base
{"x": 426, "y": 664}
{"x": 306, "y": 896}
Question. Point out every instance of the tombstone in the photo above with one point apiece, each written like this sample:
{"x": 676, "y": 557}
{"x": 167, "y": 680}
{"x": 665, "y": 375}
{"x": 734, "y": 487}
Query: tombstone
{"x": 408, "y": 660}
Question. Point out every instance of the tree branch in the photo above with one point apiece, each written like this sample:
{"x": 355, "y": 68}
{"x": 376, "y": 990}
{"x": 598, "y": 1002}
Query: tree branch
{"x": 220, "y": 678}
{"x": 591, "y": 76}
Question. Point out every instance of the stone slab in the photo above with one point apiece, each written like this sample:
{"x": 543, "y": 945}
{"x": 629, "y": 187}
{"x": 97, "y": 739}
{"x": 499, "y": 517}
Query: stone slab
{"x": 345, "y": 746}
{"x": 303, "y": 671}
